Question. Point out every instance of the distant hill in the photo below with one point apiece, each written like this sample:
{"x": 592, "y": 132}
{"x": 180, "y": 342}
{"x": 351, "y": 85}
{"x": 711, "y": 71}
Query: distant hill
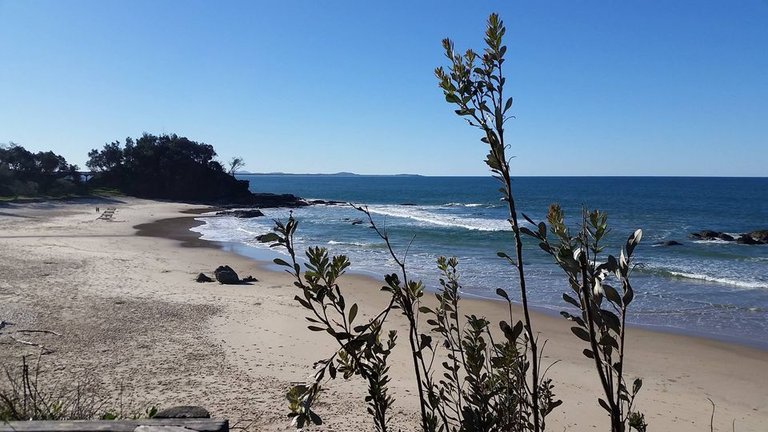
{"x": 338, "y": 174}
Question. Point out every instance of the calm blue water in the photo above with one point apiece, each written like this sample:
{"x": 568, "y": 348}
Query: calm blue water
{"x": 708, "y": 288}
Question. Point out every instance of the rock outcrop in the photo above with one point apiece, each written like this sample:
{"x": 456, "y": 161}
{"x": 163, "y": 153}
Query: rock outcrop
{"x": 244, "y": 213}
{"x": 750, "y": 238}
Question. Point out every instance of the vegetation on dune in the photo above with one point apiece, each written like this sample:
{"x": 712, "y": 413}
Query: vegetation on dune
{"x": 471, "y": 376}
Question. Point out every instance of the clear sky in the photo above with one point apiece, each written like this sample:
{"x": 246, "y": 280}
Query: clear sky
{"x": 660, "y": 87}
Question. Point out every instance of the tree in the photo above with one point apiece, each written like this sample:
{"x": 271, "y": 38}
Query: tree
{"x": 107, "y": 159}
{"x": 235, "y": 164}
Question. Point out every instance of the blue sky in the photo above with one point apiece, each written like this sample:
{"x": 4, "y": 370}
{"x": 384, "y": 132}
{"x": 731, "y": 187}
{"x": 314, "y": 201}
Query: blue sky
{"x": 601, "y": 88}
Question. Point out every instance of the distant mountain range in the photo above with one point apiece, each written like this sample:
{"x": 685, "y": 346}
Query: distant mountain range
{"x": 338, "y": 174}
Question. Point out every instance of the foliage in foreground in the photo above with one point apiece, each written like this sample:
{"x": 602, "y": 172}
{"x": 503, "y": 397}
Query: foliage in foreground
{"x": 485, "y": 381}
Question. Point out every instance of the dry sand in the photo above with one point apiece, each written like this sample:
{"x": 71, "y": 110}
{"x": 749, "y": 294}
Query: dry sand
{"x": 131, "y": 317}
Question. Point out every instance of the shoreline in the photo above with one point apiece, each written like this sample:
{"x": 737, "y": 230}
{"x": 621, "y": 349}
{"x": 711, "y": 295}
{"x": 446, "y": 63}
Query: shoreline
{"x": 179, "y": 229}
{"x": 131, "y": 314}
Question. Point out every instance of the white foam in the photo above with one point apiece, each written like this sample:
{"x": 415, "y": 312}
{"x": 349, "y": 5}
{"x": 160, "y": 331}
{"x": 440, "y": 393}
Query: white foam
{"x": 458, "y": 204}
{"x": 724, "y": 281}
{"x": 426, "y": 217}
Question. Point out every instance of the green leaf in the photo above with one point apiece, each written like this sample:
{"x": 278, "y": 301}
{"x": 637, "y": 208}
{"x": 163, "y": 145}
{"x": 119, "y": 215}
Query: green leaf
{"x": 629, "y": 294}
{"x": 612, "y": 294}
{"x": 528, "y": 232}
{"x": 571, "y": 300}
{"x": 316, "y": 328}
{"x": 637, "y": 385}
{"x": 501, "y": 293}
{"x": 588, "y": 353}
{"x": 604, "y": 404}
{"x": 507, "y": 105}
{"x": 352, "y": 313}
{"x": 633, "y": 240}
{"x": 580, "y": 333}
{"x": 425, "y": 341}
{"x": 281, "y": 262}
{"x": 315, "y": 418}
{"x": 530, "y": 221}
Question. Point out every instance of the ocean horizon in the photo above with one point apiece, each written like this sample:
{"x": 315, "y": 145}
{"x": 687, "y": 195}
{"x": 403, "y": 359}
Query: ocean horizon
{"x": 716, "y": 289}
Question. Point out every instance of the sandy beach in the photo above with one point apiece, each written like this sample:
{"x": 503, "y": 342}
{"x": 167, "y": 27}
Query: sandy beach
{"x": 129, "y": 315}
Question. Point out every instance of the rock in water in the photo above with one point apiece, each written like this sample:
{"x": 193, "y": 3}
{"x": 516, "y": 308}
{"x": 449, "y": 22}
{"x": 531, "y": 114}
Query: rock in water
{"x": 760, "y": 236}
{"x": 225, "y": 275}
{"x": 747, "y": 239}
{"x": 706, "y": 235}
{"x": 243, "y": 214}
{"x": 669, "y": 243}
{"x": 203, "y": 278}
{"x": 185, "y": 411}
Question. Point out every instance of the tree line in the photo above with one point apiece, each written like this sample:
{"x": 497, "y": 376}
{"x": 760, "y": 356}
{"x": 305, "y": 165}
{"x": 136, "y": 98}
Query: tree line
{"x": 164, "y": 166}
{"x": 23, "y": 173}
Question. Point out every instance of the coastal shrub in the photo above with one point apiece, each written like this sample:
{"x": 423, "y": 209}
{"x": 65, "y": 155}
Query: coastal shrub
{"x": 23, "y": 173}
{"x": 486, "y": 380}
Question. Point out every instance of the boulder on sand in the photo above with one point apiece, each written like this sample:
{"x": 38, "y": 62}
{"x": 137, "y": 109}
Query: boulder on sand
{"x": 225, "y": 275}
{"x": 203, "y": 278}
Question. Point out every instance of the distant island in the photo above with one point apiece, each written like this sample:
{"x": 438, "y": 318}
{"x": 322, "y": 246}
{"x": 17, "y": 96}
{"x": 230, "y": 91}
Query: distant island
{"x": 338, "y": 174}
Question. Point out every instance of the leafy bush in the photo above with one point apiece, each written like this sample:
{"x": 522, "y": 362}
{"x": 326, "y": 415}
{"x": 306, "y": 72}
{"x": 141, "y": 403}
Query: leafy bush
{"x": 488, "y": 383}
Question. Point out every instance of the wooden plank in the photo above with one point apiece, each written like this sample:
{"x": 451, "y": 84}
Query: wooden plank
{"x": 202, "y": 425}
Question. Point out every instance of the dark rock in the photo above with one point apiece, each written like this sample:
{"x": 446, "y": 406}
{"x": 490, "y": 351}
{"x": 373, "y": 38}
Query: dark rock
{"x": 326, "y": 202}
{"x": 747, "y": 239}
{"x": 203, "y": 278}
{"x": 407, "y": 204}
{"x": 706, "y": 235}
{"x": 244, "y": 214}
{"x": 357, "y": 222}
{"x": 726, "y": 237}
{"x": 669, "y": 243}
{"x": 268, "y": 200}
{"x": 761, "y": 236}
{"x": 261, "y": 238}
{"x": 225, "y": 275}
{"x": 250, "y": 279}
{"x": 185, "y": 411}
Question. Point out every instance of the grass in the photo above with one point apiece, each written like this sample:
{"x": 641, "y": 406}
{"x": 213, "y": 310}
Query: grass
{"x": 31, "y": 394}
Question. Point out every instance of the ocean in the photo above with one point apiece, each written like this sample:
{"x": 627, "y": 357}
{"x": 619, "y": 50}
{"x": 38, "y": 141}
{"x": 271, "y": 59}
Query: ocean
{"x": 714, "y": 289}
